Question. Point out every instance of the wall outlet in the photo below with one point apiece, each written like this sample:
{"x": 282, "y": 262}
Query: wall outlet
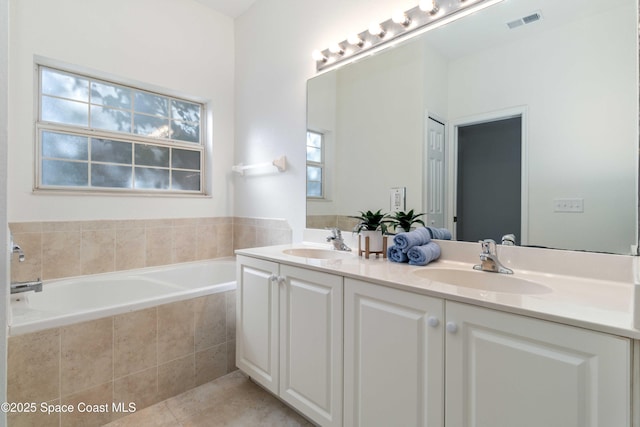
{"x": 568, "y": 205}
{"x": 398, "y": 199}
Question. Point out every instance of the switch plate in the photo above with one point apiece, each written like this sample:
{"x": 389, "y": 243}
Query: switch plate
{"x": 398, "y": 199}
{"x": 574, "y": 205}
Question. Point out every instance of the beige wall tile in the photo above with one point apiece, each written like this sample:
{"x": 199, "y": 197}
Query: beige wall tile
{"x": 87, "y": 355}
{"x": 231, "y": 315}
{"x": 33, "y": 372}
{"x": 25, "y": 227}
{"x": 31, "y": 267}
{"x": 184, "y": 222}
{"x": 206, "y": 242}
{"x": 135, "y": 341}
{"x": 244, "y": 236}
{"x": 231, "y": 356}
{"x": 158, "y": 246}
{"x": 98, "y": 225}
{"x": 176, "y": 377}
{"x": 175, "y": 330}
{"x": 210, "y": 320}
{"x": 159, "y": 223}
{"x": 35, "y": 419}
{"x": 60, "y": 254}
{"x": 140, "y": 388}
{"x": 184, "y": 244}
{"x": 98, "y": 251}
{"x": 272, "y": 236}
{"x": 99, "y": 395}
{"x": 130, "y": 248}
{"x": 58, "y": 226}
{"x": 211, "y": 363}
{"x": 224, "y": 240}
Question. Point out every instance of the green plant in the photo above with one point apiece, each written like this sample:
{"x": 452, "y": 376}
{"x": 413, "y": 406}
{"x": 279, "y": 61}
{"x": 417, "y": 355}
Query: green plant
{"x": 406, "y": 219}
{"x": 372, "y": 221}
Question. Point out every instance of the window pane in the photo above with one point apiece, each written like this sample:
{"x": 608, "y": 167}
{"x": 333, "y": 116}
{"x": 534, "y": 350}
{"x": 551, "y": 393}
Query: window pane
{"x": 186, "y": 159}
{"x": 183, "y": 131}
{"x": 110, "y": 119}
{"x": 70, "y": 174}
{"x": 110, "y": 95}
{"x": 151, "y": 126}
{"x": 65, "y": 146}
{"x": 105, "y": 150}
{"x": 64, "y": 85}
{"x": 150, "y": 155}
{"x": 314, "y": 139}
{"x": 314, "y": 154}
{"x": 110, "y": 176}
{"x": 63, "y": 111}
{"x": 185, "y": 180}
{"x": 314, "y": 189}
{"x": 314, "y": 173}
{"x": 151, "y": 104}
{"x": 185, "y": 111}
{"x": 152, "y": 178}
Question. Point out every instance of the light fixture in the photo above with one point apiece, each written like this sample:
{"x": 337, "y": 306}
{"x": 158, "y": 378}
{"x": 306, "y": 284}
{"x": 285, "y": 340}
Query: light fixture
{"x": 336, "y": 49}
{"x": 430, "y": 6}
{"x": 355, "y": 40}
{"x": 376, "y": 29}
{"x": 399, "y": 17}
{"x": 427, "y": 15}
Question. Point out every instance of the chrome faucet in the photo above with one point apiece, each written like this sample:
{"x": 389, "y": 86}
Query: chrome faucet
{"x": 489, "y": 259}
{"x": 19, "y": 287}
{"x": 16, "y": 249}
{"x": 509, "y": 240}
{"x": 337, "y": 240}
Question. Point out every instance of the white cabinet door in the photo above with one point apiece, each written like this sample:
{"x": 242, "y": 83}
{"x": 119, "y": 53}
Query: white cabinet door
{"x": 505, "y": 370}
{"x": 257, "y": 320}
{"x": 311, "y": 343}
{"x": 393, "y": 357}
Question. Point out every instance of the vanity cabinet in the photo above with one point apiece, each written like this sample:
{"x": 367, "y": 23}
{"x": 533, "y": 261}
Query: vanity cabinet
{"x": 405, "y": 351}
{"x": 289, "y": 335}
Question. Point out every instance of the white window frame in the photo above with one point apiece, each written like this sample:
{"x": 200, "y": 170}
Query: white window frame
{"x": 321, "y": 165}
{"x": 88, "y": 132}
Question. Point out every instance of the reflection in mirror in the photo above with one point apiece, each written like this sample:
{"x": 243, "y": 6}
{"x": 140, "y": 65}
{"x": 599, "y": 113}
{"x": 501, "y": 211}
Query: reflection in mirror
{"x": 570, "y": 77}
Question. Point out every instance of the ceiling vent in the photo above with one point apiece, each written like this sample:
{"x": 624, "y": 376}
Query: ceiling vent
{"x": 533, "y": 17}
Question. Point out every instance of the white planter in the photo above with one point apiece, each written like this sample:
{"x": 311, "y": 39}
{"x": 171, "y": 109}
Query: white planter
{"x": 375, "y": 240}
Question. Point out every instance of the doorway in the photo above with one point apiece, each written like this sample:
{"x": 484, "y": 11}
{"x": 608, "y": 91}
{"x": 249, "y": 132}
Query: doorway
{"x": 489, "y": 180}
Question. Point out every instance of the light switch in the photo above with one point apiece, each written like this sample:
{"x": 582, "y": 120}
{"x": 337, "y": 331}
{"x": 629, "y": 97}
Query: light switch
{"x": 575, "y": 205}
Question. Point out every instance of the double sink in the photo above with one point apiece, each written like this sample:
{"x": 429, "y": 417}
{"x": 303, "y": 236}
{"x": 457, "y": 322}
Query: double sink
{"x": 467, "y": 278}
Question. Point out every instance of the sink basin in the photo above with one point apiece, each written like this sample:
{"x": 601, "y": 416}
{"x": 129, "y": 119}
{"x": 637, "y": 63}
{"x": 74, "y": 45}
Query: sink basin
{"x": 482, "y": 280}
{"x": 317, "y": 253}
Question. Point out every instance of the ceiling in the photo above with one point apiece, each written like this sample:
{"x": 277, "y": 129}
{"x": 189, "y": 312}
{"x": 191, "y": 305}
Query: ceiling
{"x": 231, "y": 8}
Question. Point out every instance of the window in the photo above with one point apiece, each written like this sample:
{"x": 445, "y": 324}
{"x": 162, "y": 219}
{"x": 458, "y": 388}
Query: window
{"x": 315, "y": 165}
{"x": 97, "y": 135}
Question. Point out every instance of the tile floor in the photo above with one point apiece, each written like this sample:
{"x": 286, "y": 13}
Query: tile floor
{"x": 231, "y": 400}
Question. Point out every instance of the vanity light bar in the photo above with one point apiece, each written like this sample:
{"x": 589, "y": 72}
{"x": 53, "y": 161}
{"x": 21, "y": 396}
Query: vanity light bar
{"x": 428, "y": 15}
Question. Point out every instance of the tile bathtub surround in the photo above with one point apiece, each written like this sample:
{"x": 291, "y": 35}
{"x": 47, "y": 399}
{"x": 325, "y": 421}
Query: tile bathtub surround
{"x": 144, "y": 356}
{"x": 56, "y": 250}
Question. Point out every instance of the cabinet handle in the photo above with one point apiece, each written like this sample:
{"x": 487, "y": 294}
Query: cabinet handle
{"x": 452, "y": 328}
{"x": 273, "y": 277}
{"x": 281, "y": 280}
{"x": 433, "y": 321}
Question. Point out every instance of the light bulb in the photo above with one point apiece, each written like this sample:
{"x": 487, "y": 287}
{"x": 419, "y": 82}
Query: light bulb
{"x": 399, "y": 17}
{"x": 318, "y": 56}
{"x": 355, "y": 40}
{"x": 336, "y": 48}
{"x": 429, "y": 6}
{"x": 376, "y": 29}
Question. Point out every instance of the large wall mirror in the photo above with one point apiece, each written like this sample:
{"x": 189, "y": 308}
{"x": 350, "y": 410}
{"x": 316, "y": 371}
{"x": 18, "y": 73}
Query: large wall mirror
{"x": 422, "y": 116}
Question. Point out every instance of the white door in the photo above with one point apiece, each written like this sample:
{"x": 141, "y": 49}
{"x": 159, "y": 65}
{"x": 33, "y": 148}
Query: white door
{"x": 435, "y": 176}
{"x": 257, "y": 320}
{"x": 505, "y": 370}
{"x": 393, "y": 359}
{"x": 311, "y": 343}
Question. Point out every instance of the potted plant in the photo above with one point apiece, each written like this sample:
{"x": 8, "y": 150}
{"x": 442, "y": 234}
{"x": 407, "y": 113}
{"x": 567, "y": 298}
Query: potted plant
{"x": 403, "y": 221}
{"x": 372, "y": 225}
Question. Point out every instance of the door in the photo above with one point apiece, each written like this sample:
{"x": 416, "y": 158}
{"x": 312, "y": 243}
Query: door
{"x": 257, "y": 320}
{"x": 393, "y": 359}
{"x": 311, "y": 343}
{"x": 435, "y": 186}
{"x": 488, "y": 182}
{"x": 505, "y": 370}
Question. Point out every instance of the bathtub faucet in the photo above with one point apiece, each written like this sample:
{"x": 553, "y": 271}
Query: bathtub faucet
{"x": 16, "y": 249}
{"x": 19, "y": 287}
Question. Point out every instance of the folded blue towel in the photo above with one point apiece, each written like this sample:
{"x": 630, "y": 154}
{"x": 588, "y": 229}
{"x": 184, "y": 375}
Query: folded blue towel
{"x": 396, "y": 254}
{"x": 423, "y": 255}
{"x": 439, "y": 233}
{"x": 417, "y": 237}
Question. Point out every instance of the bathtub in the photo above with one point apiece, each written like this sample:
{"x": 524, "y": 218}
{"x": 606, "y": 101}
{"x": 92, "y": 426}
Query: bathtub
{"x": 73, "y": 300}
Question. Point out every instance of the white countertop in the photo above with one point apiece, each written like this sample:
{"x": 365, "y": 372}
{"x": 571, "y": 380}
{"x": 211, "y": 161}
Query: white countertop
{"x": 593, "y": 291}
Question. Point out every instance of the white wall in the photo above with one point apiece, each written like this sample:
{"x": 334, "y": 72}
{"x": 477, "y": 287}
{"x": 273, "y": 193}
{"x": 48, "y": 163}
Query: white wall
{"x": 274, "y": 41}
{"x": 178, "y": 45}
{"x": 4, "y": 265}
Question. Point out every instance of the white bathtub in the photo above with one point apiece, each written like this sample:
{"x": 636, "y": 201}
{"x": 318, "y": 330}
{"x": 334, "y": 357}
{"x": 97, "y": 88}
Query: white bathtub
{"x": 68, "y": 301}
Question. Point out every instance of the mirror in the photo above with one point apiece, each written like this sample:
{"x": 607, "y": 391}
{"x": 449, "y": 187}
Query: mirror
{"x": 570, "y": 76}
